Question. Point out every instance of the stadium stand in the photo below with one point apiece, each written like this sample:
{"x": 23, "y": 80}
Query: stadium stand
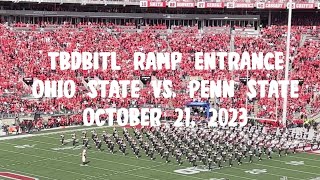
{"x": 21, "y": 58}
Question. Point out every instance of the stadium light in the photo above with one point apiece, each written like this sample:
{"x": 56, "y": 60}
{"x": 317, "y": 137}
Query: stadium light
{"x": 286, "y": 74}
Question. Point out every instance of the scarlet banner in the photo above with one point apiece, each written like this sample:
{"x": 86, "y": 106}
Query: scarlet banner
{"x": 229, "y": 5}
{"x": 275, "y": 6}
{"x": 240, "y": 5}
{"x": 185, "y": 5}
{"x": 152, "y": 4}
{"x": 244, "y": 5}
{"x": 214, "y": 5}
{"x": 157, "y": 4}
{"x": 209, "y": 5}
{"x": 305, "y": 6}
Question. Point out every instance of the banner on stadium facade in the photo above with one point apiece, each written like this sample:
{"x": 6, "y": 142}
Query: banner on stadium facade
{"x": 230, "y": 4}
{"x": 293, "y": 5}
{"x": 305, "y": 6}
{"x": 185, "y": 5}
{"x": 209, "y": 5}
{"x": 172, "y": 5}
{"x": 275, "y": 6}
{"x": 260, "y": 5}
{"x": 244, "y": 5}
{"x": 152, "y": 4}
{"x": 240, "y": 5}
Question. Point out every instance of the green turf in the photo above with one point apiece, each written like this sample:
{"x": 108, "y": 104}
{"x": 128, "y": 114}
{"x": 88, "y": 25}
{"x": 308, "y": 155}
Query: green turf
{"x": 42, "y": 162}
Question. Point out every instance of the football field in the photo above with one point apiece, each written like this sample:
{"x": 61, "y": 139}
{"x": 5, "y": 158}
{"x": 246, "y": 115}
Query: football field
{"x": 41, "y": 156}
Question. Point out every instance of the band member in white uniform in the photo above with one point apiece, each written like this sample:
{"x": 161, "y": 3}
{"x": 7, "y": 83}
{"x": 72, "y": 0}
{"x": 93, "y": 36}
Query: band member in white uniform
{"x": 84, "y": 157}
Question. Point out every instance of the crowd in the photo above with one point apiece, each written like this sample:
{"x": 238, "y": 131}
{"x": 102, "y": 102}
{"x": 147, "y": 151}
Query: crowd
{"x": 24, "y": 54}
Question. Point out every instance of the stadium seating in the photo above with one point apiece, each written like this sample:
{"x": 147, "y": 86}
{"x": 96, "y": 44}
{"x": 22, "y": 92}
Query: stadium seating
{"x": 24, "y": 54}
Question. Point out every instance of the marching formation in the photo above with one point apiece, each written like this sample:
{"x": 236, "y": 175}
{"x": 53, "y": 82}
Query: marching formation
{"x": 202, "y": 145}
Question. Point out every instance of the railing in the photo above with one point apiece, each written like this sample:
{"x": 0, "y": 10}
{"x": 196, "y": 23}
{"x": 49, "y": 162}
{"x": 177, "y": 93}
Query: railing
{"x": 31, "y": 115}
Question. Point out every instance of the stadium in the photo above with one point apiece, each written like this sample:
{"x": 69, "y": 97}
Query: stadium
{"x": 214, "y": 134}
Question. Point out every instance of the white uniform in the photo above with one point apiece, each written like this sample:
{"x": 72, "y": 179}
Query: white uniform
{"x": 84, "y": 154}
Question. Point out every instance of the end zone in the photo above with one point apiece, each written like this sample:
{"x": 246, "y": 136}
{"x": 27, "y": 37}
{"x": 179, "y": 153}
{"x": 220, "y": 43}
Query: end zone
{"x": 10, "y": 175}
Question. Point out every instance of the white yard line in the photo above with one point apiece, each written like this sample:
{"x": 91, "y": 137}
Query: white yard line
{"x": 44, "y": 133}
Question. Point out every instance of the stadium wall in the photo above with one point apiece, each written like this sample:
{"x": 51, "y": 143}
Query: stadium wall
{"x": 126, "y": 15}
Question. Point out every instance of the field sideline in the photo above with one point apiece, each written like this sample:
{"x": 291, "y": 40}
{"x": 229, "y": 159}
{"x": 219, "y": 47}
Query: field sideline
{"x": 42, "y": 156}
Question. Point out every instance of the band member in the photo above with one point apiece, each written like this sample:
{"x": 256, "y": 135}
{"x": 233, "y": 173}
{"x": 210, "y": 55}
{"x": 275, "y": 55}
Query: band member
{"x": 136, "y": 152}
{"x": 151, "y": 154}
{"x": 194, "y": 161}
{"x": 84, "y": 157}
{"x": 239, "y": 157}
{"x": 269, "y": 153}
{"x": 230, "y": 156}
{"x": 123, "y": 147}
{"x": 279, "y": 151}
{"x": 84, "y": 137}
{"x": 250, "y": 156}
{"x": 166, "y": 155}
{"x": 210, "y": 164}
{"x": 84, "y": 134}
{"x": 219, "y": 159}
{"x": 86, "y": 143}
{"x": 178, "y": 158}
{"x": 93, "y": 135}
{"x": 98, "y": 144}
{"x": 62, "y": 139}
{"x": 111, "y": 147}
{"x": 259, "y": 154}
{"x": 74, "y": 139}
